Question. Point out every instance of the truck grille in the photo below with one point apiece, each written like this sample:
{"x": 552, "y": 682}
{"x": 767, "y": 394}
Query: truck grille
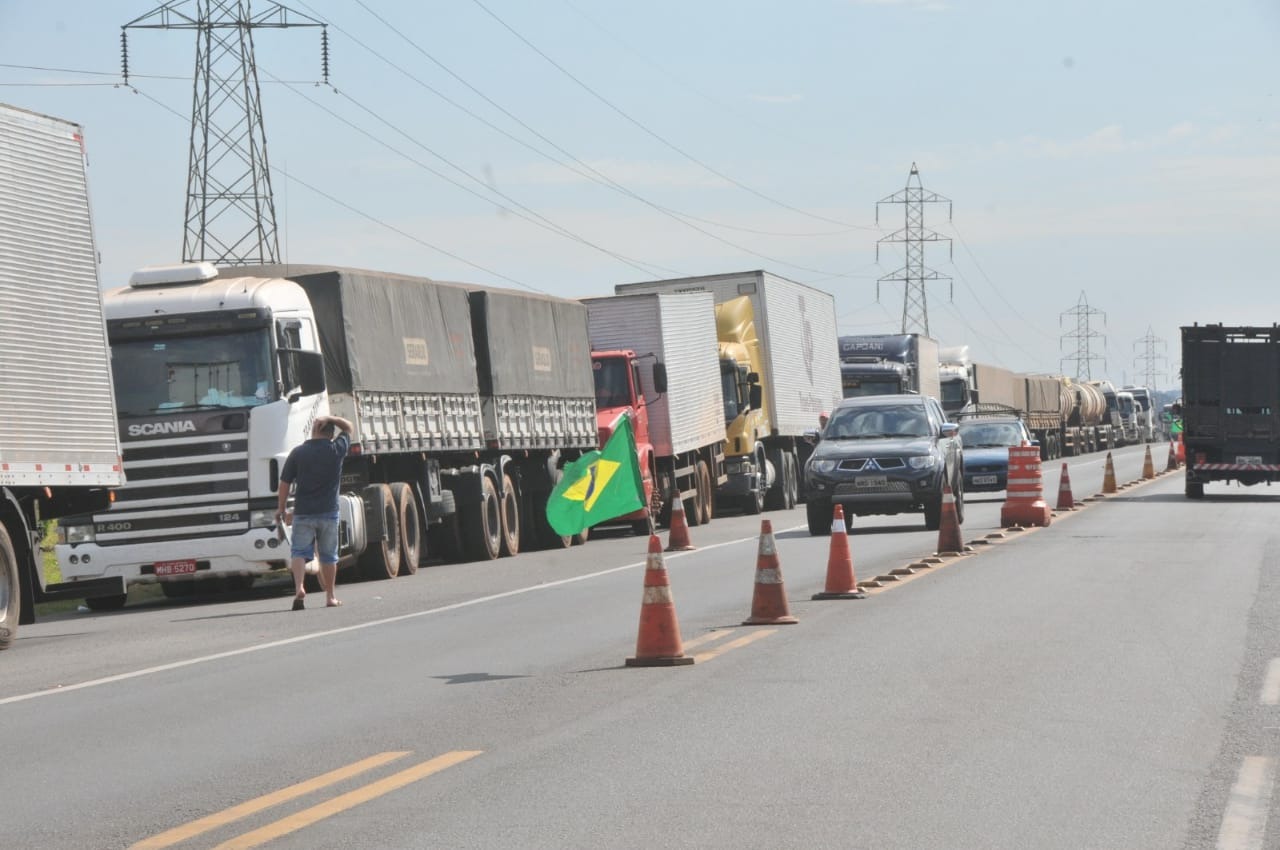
{"x": 857, "y": 464}
{"x": 178, "y": 487}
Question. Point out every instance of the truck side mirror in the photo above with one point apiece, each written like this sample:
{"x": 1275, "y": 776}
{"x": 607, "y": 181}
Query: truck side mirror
{"x": 753, "y": 378}
{"x": 660, "y": 378}
{"x": 755, "y": 396}
{"x": 310, "y": 372}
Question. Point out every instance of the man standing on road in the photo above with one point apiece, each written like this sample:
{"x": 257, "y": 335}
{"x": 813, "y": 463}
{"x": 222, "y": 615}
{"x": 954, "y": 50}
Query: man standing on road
{"x": 315, "y": 467}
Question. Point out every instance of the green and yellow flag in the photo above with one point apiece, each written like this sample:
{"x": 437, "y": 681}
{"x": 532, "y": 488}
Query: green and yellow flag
{"x": 598, "y": 486}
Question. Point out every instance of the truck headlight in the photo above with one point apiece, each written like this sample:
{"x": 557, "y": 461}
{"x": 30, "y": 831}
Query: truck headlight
{"x": 262, "y": 519}
{"x": 922, "y": 461}
{"x": 823, "y": 466}
{"x": 76, "y": 534}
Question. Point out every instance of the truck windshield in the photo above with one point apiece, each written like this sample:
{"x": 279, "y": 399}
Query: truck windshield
{"x": 229, "y": 370}
{"x": 854, "y": 387}
{"x": 955, "y": 393}
{"x": 612, "y": 386}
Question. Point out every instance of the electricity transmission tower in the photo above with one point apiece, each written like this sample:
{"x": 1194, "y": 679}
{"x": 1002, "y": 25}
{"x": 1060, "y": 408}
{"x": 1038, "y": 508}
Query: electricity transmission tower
{"x": 230, "y": 210}
{"x": 1149, "y": 359}
{"x": 1083, "y": 335}
{"x": 913, "y": 274}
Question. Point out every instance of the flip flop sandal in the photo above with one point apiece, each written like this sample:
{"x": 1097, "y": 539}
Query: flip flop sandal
{"x": 299, "y": 603}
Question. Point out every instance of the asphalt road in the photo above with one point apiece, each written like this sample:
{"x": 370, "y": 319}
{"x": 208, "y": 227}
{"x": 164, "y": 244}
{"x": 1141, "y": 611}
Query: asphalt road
{"x": 1106, "y": 682}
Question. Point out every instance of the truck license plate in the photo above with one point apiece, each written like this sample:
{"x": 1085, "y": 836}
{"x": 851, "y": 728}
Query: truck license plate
{"x": 985, "y": 479}
{"x": 175, "y": 568}
{"x": 1249, "y": 460}
{"x": 872, "y": 481}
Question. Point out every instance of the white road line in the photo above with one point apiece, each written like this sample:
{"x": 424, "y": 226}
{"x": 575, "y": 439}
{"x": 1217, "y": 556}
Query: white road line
{"x": 1271, "y": 685}
{"x": 203, "y": 659}
{"x": 1244, "y": 823}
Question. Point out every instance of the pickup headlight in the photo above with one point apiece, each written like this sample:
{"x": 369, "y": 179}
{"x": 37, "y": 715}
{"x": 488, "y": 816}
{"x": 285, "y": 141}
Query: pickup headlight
{"x": 76, "y": 534}
{"x": 922, "y": 462}
{"x": 262, "y": 519}
{"x": 823, "y": 466}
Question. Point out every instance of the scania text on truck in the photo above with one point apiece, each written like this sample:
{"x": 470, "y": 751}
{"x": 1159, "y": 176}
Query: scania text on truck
{"x": 655, "y": 358}
{"x": 466, "y": 402}
{"x": 778, "y": 362}
{"x": 1230, "y": 405}
{"x": 59, "y": 451}
{"x": 887, "y": 364}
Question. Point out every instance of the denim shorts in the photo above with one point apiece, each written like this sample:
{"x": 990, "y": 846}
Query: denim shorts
{"x": 315, "y": 536}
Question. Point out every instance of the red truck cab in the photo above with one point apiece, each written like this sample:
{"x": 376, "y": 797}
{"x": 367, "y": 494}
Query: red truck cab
{"x": 618, "y": 391}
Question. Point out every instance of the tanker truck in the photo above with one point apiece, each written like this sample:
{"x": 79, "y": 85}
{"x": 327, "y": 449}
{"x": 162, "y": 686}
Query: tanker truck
{"x": 59, "y": 449}
{"x": 466, "y": 401}
{"x": 779, "y": 368}
{"x": 654, "y": 357}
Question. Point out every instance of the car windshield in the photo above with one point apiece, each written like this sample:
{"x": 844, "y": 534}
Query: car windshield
{"x": 860, "y": 423}
{"x": 986, "y": 435}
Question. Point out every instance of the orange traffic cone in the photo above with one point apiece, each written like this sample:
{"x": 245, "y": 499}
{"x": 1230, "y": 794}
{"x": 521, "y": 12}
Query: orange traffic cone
{"x": 1172, "y": 463}
{"x": 1066, "y": 501}
{"x": 658, "y": 644}
{"x": 1148, "y": 469}
{"x": 1109, "y": 476}
{"x": 769, "y": 601}
{"x": 841, "y": 582}
{"x": 949, "y": 529}
{"x": 678, "y": 540}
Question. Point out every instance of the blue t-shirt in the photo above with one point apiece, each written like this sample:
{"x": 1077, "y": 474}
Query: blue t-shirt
{"x": 315, "y": 470}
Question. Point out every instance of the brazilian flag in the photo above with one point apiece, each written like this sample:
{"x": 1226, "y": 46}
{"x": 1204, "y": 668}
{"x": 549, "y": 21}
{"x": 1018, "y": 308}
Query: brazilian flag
{"x": 598, "y": 486}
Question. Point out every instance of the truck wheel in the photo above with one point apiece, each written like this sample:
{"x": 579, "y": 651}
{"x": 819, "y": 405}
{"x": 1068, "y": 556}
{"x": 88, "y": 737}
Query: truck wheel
{"x": 1195, "y": 489}
{"x": 933, "y": 514}
{"x": 706, "y": 491}
{"x": 410, "y": 528}
{"x": 819, "y": 516}
{"x": 509, "y": 504}
{"x": 10, "y": 597}
{"x": 693, "y": 507}
{"x": 482, "y": 524}
{"x": 381, "y": 559}
{"x": 753, "y": 503}
{"x": 106, "y": 603}
{"x": 775, "y": 498}
{"x": 640, "y": 527}
{"x": 793, "y": 487}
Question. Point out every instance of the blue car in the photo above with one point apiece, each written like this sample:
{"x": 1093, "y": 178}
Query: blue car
{"x": 986, "y": 443}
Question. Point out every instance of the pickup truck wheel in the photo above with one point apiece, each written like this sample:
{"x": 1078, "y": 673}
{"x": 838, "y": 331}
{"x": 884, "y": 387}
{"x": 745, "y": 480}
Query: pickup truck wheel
{"x": 381, "y": 559}
{"x": 509, "y": 504}
{"x": 10, "y": 598}
{"x": 482, "y": 524}
{"x": 933, "y": 514}
{"x": 410, "y": 528}
{"x": 106, "y": 603}
{"x": 819, "y": 517}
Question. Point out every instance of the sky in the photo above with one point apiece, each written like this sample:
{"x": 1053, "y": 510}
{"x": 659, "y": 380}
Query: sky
{"x": 1123, "y": 155}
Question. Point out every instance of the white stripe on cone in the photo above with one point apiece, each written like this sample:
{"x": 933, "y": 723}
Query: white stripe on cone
{"x": 657, "y": 596}
{"x": 768, "y": 576}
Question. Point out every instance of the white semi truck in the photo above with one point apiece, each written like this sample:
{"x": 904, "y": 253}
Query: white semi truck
{"x": 59, "y": 450}
{"x": 466, "y": 403}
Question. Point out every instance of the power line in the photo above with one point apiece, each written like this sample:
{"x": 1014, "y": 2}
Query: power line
{"x": 639, "y": 125}
{"x": 991, "y": 283}
{"x": 367, "y": 216}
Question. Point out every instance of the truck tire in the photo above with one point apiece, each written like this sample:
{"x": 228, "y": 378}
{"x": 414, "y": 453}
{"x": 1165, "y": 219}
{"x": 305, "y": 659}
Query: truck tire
{"x": 482, "y": 524}
{"x": 818, "y": 514}
{"x": 706, "y": 491}
{"x": 693, "y": 507}
{"x": 10, "y": 595}
{"x": 106, "y": 603}
{"x": 411, "y": 538}
{"x": 775, "y": 498}
{"x": 792, "y": 475}
{"x": 509, "y": 515}
{"x": 381, "y": 559}
{"x": 1195, "y": 489}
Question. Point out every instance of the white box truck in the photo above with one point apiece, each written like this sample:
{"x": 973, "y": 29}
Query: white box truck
{"x": 779, "y": 364}
{"x": 59, "y": 448}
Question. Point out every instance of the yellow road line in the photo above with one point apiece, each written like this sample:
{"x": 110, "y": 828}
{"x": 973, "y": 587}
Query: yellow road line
{"x": 733, "y": 644}
{"x": 341, "y": 803}
{"x": 708, "y": 637}
{"x": 275, "y": 798}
